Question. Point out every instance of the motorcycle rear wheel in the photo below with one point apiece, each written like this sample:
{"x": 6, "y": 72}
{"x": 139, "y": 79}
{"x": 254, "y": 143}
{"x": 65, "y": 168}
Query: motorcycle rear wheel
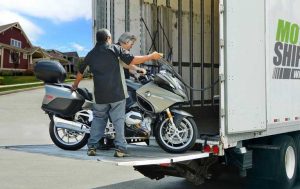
{"x": 71, "y": 142}
{"x": 177, "y": 141}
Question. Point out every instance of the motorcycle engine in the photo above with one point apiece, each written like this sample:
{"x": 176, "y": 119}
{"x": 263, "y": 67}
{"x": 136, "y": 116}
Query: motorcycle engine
{"x": 135, "y": 124}
{"x": 133, "y": 118}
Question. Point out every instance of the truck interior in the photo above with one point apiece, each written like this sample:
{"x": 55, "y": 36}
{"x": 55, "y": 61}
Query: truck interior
{"x": 167, "y": 27}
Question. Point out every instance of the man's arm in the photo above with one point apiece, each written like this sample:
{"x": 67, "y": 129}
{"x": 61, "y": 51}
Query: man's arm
{"x": 80, "y": 72}
{"x": 142, "y": 59}
{"x": 79, "y": 77}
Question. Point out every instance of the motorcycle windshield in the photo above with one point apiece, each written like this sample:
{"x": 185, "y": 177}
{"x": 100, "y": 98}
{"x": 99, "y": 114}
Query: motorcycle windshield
{"x": 167, "y": 66}
{"x": 173, "y": 77}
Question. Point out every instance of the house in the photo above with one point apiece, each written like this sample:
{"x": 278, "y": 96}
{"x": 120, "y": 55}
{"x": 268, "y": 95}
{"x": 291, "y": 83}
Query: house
{"x": 60, "y": 57}
{"x": 14, "y": 48}
{"x": 18, "y": 54}
{"x": 74, "y": 59}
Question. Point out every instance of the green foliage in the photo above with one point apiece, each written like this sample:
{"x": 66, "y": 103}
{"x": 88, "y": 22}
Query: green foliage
{"x": 1, "y": 80}
{"x": 28, "y": 73}
{"x": 6, "y": 73}
{"x": 10, "y": 80}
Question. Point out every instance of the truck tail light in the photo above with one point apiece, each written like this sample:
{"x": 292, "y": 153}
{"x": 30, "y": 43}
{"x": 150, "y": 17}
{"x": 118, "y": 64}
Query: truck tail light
{"x": 207, "y": 149}
{"x": 215, "y": 149}
{"x": 211, "y": 149}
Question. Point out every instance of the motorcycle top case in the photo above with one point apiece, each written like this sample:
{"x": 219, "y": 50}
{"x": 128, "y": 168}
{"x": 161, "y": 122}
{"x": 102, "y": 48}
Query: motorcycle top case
{"x": 50, "y": 71}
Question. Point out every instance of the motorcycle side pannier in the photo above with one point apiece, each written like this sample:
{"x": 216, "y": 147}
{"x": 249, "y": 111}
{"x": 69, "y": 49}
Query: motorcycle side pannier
{"x": 61, "y": 100}
{"x": 50, "y": 71}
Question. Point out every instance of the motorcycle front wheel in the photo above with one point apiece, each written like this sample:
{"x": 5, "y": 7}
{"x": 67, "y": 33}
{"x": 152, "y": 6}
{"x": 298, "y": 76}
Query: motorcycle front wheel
{"x": 179, "y": 139}
{"x": 67, "y": 139}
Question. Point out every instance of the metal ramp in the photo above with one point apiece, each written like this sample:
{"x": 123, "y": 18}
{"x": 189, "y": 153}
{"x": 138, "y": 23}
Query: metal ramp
{"x": 139, "y": 154}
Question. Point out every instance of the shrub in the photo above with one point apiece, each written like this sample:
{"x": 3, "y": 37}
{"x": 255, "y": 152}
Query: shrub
{"x": 7, "y": 73}
{"x": 28, "y": 73}
{"x": 1, "y": 80}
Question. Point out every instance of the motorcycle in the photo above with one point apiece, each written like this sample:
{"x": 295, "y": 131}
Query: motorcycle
{"x": 150, "y": 110}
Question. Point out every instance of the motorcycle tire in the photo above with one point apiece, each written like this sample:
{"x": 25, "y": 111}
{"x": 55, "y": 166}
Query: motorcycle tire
{"x": 187, "y": 128}
{"x": 64, "y": 145}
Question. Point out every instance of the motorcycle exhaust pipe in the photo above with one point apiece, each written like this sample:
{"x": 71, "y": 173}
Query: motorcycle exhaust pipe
{"x": 70, "y": 125}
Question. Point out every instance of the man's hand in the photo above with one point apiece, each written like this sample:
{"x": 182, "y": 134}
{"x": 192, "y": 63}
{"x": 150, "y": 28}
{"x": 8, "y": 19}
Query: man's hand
{"x": 155, "y": 55}
{"x": 142, "y": 71}
{"x": 74, "y": 87}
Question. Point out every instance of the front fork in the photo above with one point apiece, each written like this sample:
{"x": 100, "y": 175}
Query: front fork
{"x": 169, "y": 114}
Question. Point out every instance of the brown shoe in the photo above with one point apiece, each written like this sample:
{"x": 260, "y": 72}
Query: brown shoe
{"x": 91, "y": 152}
{"x": 121, "y": 153}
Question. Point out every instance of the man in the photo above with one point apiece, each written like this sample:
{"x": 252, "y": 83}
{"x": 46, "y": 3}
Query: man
{"x": 126, "y": 41}
{"x": 103, "y": 61}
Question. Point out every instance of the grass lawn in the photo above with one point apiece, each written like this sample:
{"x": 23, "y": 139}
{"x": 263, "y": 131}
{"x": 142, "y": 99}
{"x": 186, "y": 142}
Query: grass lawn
{"x": 11, "y": 80}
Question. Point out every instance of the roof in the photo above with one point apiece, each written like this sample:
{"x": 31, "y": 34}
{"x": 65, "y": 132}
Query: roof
{"x": 71, "y": 54}
{"x": 3, "y": 28}
{"x": 6, "y": 27}
{"x": 37, "y": 49}
{"x": 57, "y": 55}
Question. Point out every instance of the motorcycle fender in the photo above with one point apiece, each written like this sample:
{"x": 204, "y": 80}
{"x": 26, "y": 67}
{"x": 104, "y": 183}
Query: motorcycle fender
{"x": 181, "y": 112}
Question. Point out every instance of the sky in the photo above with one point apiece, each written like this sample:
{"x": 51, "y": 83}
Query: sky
{"x": 64, "y": 25}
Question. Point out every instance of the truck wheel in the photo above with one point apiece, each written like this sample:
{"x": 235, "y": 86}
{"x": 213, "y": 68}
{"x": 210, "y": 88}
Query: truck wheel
{"x": 296, "y": 137}
{"x": 287, "y": 164}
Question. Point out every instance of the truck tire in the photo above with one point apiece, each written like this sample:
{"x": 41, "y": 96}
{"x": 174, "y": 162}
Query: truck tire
{"x": 296, "y": 137}
{"x": 287, "y": 162}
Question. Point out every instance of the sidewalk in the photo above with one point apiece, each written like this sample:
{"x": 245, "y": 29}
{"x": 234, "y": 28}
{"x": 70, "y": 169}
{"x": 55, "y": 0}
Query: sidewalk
{"x": 16, "y": 85}
{"x": 40, "y": 85}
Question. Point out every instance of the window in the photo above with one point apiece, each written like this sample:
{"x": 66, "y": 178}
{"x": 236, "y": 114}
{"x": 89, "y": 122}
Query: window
{"x": 25, "y": 56}
{"x": 14, "y": 57}
{"x": 15, "y": 43}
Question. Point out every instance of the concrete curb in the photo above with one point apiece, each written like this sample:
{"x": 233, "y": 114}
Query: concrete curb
{"x": 20, "y": 90}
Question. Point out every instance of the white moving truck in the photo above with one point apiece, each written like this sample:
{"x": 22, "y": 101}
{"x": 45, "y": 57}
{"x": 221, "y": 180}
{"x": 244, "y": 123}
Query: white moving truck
{"x": 254, "y": 49}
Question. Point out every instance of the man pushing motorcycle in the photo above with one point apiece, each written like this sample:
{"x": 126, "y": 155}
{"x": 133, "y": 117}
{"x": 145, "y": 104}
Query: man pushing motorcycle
{"x": 103, "y": 61}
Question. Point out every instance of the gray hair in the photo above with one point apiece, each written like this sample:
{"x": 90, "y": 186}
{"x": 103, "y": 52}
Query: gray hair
{"x": 126, "y": 37}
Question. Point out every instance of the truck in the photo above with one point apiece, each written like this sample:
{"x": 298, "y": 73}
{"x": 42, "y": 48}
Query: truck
{"x": 243, "y": 56}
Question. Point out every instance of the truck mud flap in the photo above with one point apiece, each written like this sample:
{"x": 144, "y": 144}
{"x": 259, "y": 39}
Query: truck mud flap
{"x": 264, "y": 169}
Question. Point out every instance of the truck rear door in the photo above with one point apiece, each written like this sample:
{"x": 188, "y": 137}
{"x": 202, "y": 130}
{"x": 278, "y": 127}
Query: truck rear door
{"x": 245, "y": 68}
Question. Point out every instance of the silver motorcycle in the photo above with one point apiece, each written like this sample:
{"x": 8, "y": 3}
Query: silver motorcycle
{"x": 151, "y": 110}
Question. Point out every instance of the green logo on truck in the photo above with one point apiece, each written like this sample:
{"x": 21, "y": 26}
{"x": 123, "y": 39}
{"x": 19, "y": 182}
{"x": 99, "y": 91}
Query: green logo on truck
{"x": 287, "y": 51}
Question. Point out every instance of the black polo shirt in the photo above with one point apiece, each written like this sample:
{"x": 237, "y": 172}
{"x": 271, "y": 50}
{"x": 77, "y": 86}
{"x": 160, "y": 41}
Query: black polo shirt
{"x": 104, "y": 64}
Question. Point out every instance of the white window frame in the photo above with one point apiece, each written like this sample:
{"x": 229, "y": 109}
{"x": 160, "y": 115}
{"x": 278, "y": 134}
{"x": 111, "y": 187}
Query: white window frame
{"x": 15, "y": 43}
{"x": 10, "y": 60}
{"x": 25, "y": 56}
